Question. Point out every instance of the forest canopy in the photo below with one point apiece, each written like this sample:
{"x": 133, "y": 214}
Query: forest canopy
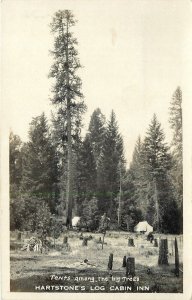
{"x": 62, "y": 174}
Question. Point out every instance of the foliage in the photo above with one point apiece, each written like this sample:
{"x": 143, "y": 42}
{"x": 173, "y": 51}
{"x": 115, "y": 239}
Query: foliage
{"x": 177, "y": 145}
{"x": 39, "y": 177}
{"x": 96, "y": 132}
{"x": 90, "y": 215}
{"x": 15, "y": 164}
{"x": 66, "y": 93}
{"x": 112, "y": 157}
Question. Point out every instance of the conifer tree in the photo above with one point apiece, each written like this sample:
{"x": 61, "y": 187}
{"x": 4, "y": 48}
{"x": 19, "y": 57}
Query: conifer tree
{"x": 67, "y": 96}
{"x": 108, "y": 171}
{"x": 90, "y": 213}
{"x": 39, "y": 176}
{"x": 177, "y": 144}
{"x": 15, "y": 164}
{"x": 87, "y": 174}
{"x": 96, "y": 132}
{"x": 158, "y": 163}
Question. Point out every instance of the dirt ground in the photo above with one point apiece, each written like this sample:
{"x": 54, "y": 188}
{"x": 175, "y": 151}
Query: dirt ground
{"x": 85, "y": 268}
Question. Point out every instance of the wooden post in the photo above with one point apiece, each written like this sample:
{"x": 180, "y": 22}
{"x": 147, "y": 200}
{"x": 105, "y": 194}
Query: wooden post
{"x": 130, "y": 266}
{"x": 110, "y": 263}
{"x": 131, "y": 242}
{"x": 65, "y": 240}
{"x": 103, "y": 239}
{"x": 84, "y": 242}
{"x": 124, "y": 262}
{"x": 163, "y": 252}
{"x": 155, "y": 243}
{"x": 176, "y": 259}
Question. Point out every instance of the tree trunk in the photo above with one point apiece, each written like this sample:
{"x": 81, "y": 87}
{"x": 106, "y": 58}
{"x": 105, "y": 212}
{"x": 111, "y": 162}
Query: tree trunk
{"x": 120, "y": 190}
{"x": 124, "y": 262}
{"x": 65, "y": 240}
{"x": 69, "y": 150}
{"x": 131, "y": 242}
{"x": 130, "y": 266}
{"x": 19, "y": 236}
{"x": 163, "y": 252}
{"x": 157, "y": 206}
{"x": 110, "y": 263}
{"x": 103, "y": 240}
{"x": 176, "y": 259}
{"x": 155, "y": 243}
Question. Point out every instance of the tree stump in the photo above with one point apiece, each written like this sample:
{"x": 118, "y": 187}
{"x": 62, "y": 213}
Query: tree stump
{"x": 130, "y": 266}
{"x": 124, "y": 262}
{"x": 19, "y": 236}
{"x": 84, "y": 242}
{"x": 110, "y": 263}
{"x": 163, "y": 252}
{"x": 155, "y": 243}
{"x": 176, "y": 259}
{"x": 65, "y": 240}
{"x": 131, "y": 242}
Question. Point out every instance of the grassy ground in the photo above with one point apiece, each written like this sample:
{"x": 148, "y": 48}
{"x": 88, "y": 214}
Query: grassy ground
{"x": 36, "y": 272}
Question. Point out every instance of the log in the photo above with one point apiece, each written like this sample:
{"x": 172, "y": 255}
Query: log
{"x": 163, "y": 252}
{"x": 176, "y": 259}
{"x": 131, "y": 242}
{"x": 124, "y": 262}
{"x": 155, "y": 243}
{"x": 85, "y": 241}
{"x": 110, "y": 263}
{"x": 130, "y": 266}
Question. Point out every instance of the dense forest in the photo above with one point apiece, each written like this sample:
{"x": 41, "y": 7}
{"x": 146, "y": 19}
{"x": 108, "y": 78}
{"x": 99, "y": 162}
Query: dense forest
{"x": 59, "y": 174}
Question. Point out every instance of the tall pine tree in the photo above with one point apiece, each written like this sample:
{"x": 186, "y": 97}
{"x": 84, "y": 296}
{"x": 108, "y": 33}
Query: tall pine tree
{"x": 158, "y": 163}
{"x": 177, "y": 143}
{"x": 87, "y": 174}
{"x": 108, "y": 170}
{"x": 96, "y": 132}
{"x": 39, "y": 176}
{"x": 67, "y": 96}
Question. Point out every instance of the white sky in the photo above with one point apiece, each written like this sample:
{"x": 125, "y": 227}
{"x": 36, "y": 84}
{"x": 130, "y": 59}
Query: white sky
{"x": 133, "y": 54}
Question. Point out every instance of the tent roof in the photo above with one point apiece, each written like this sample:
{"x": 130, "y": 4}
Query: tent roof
{"x": 143, "y": 225}
{"x": 75, "y": 220}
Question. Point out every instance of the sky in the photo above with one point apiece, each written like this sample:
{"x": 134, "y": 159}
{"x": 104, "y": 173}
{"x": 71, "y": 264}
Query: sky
{"x": 133, "y": 55}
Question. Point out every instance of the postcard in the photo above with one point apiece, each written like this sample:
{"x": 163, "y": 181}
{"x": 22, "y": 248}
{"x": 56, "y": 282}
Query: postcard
{"x": 96, "y": 149}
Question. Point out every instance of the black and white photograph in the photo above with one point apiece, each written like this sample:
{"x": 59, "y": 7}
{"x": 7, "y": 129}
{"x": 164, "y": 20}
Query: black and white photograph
{"x": 94, "y": 102}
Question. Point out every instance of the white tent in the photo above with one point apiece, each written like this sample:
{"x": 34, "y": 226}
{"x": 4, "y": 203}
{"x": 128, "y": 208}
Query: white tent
{"x": 143, "y": 227}
{"x": 75, "y": 221}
